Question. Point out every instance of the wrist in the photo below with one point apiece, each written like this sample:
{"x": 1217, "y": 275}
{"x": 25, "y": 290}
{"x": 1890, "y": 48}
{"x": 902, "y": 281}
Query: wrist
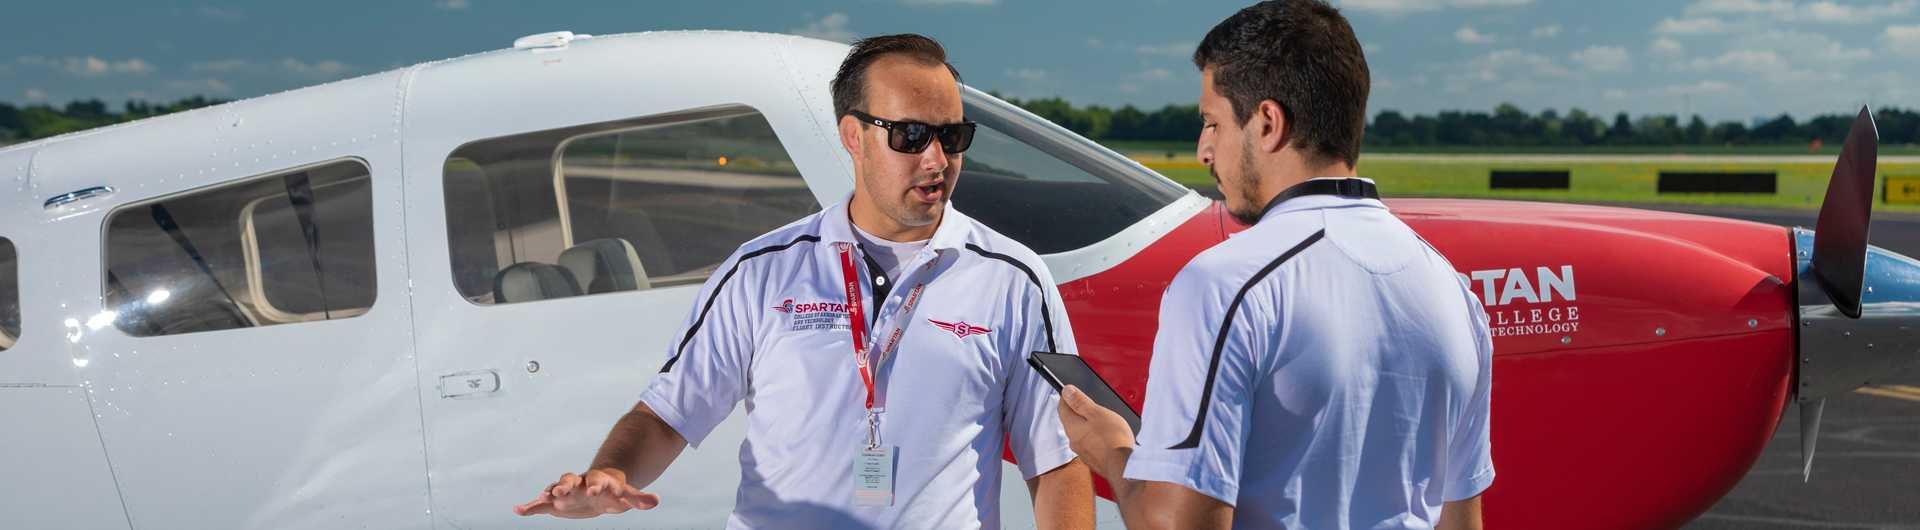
{"x": 1111, "y": 463}
{"x": 611, "y": 471}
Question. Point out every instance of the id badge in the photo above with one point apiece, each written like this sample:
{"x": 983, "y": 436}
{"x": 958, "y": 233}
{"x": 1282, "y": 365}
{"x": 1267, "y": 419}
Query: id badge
{"x": 873, "y": 477}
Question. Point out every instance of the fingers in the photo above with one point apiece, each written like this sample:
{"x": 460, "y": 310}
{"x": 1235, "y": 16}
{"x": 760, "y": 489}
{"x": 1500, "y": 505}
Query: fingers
{"x": 640, "y": 500}
{"x": 540, "y": 506}
{"x": 1078, "y": 401}
{"x": 577, "y": 496}
{"x": 566, "y": 486}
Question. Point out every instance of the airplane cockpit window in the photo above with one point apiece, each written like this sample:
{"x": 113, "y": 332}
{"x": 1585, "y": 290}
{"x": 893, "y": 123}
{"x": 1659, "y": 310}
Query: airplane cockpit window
{"x": 618, "y": 206}
{"x": 287, "y": 247}
{"x": 1047, "y": 188}
{"x": 9, "y": 294}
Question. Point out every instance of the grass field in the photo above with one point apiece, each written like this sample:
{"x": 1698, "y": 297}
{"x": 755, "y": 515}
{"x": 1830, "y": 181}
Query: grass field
{"x": 1185, "y": 148}
{"x": 1802, "y": 185}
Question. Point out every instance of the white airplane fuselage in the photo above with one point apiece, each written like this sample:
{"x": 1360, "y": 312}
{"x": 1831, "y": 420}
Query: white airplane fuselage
{"x": 425, "y": 408}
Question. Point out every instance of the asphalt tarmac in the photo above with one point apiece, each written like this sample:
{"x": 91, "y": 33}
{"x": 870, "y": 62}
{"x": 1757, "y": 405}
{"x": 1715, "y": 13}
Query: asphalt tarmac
{"x": 1866, "y": 472}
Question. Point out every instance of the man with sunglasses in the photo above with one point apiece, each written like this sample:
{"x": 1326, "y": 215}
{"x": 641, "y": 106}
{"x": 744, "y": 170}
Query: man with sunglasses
{"x": 879, "y": 345}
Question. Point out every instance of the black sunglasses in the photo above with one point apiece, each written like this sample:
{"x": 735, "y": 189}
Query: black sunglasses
{"x": 912, "y": 137}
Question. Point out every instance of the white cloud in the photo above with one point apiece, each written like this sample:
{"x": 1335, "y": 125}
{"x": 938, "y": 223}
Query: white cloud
{"x": 950, "y": 2}
{"x": 1095, "y": 43}
{"x": 1766, "y": 64}
{"x": 1667, "y": 47}
{"x": 1511, "y": 69}
{"x": 1614, "y": 94}
{"x": 451, "y": 5}
{"x": 1604, "y": 59}
{"x": 832, "y": 27}
{"x": 1400, "y": 7}
{"x": 322, "y": 69}
{"x": 1813, "y": 48}
{"x": 91, "y": 66}
{"x": 1154, "y": 74}
{"x": 200, "y": 86}
{"x": 219, "y": 13}
{"x": 1690, "y": 26}
{"x": 35, "y": 95}
{"x": 1696, "y": 89}
{"x": 224, "y": 65}
{"x": 1468, "y": 35}
{"x": 1028, "y": 74}
{"x": 1903, "y": 40}
{"x": 1547, "y": 31}
{"x": 1741, "y": 7}
{"x": 1827, "y": 11}
{"x": 1171, "y": 49}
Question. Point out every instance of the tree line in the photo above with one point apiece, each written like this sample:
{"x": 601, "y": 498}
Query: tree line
{"x": 1506, "y": 126}
{"x": 33, "y": 122}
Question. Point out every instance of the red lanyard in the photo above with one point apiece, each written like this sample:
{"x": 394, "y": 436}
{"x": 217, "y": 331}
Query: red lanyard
{"x": 857, "y": 314}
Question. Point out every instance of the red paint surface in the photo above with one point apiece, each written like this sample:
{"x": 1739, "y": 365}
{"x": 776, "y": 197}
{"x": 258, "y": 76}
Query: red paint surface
{"x": 1644, "y": 416}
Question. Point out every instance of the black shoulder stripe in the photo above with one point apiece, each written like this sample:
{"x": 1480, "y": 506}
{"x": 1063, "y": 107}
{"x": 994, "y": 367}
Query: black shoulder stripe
{"x": 722, "y": 285}
{"x": 1046, "y": 314}
{"x": 1220, "y": 339}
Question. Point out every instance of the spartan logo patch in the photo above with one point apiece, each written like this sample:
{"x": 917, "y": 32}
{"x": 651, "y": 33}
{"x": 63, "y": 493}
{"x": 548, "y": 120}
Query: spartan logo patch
{"x": 959, "y": 329}
{"x": 1523, "y": 301}
{"x": 813, "y": 315}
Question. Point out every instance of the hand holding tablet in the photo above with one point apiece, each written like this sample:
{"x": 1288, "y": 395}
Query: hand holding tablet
{"x": 1061, "y": 370}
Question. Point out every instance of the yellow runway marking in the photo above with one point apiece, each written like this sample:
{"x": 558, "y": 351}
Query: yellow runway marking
{"x": 1893, "y": 391}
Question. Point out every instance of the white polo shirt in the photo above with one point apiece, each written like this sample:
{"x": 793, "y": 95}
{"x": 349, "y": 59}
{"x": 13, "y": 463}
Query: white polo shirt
{"x": 771, "y": 328}
{"x": 1324, "y": 369}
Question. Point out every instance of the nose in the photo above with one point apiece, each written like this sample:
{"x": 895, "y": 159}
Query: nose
{"x": 933, "y": 159}
{"x": 1203, "y": 149}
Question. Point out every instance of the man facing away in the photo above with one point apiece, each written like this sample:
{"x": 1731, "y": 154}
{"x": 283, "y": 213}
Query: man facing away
{"x": 1324, "y": 369}
{"x": 878, "y": 345}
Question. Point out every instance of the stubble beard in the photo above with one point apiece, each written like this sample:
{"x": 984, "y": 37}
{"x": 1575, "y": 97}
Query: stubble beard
{"x": 1248, "y": 190}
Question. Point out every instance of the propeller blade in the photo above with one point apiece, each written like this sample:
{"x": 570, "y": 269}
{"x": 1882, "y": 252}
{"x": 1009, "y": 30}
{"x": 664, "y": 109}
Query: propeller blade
{"x": 1809, "y": 434}
{"x": 1840, "y": 237}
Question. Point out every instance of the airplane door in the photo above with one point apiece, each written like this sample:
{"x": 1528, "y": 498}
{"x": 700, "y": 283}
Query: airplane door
{"x": 239, "y": 315}
{"x": 559, "y": 243}
{"x": 52, "y": 465}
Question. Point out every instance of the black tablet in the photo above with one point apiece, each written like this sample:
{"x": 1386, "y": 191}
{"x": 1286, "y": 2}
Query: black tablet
{"x": 1061, "y": 369}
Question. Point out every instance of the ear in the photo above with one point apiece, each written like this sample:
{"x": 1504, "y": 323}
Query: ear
{"x": 1273, "y": 131}
{"x": 850, "y": 130}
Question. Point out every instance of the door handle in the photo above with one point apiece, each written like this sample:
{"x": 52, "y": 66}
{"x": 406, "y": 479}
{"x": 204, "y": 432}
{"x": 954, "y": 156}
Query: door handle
{"x": 469, "y": 384}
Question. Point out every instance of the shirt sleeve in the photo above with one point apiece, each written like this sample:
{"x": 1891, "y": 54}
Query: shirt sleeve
{"x": 1030, "y": 407}
{"x": 1199, "y": 389}
{"x": 706, "y": 370}
{"x": 1470, "y": 451}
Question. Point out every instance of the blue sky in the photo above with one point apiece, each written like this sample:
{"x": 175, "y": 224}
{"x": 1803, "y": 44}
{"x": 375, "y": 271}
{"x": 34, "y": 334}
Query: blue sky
{"x": 1724, "y": 59}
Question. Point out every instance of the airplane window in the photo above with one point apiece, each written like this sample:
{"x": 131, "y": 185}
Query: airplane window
{"x": 9, "y": 295}
{"x": 619, "y": 206}
{"x": 1047, "y": 188}
{"x": 276, "y": 249}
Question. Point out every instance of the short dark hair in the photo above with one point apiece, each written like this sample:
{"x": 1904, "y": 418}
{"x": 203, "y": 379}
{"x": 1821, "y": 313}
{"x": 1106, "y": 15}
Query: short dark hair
{"x": 849, "y": 83}
{"x": 1301, "y": 54}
